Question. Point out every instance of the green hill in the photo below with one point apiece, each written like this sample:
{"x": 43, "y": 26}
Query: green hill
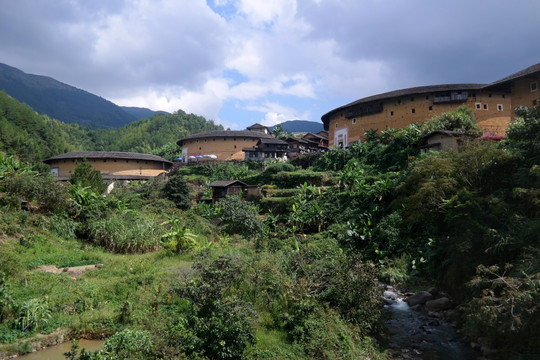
{"x": 61, "y": 101}
{"x": 141, "y": 113}
{"x": 33, "y": 137}
{"x": 301, "y": 126}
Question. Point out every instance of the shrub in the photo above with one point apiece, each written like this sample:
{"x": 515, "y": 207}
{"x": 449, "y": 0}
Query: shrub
{"x": 85, "y": 175}
{"x": 129, "y": 344}
{"x": 177, "y": 190}
{"x": 126, "y": 233}
{"x": 279, "y": 167}
{"x": 33, "y": 314}
{"x": 238, "y": 217}
{"x": 45, "y": 191}
{"x": 220, "y": 325}
{"x": 506, "y": 311}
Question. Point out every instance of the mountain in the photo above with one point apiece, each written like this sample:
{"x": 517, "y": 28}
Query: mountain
{"x": 141, "y": 113}
{"x": 33, "y": 137}
{"x": 61, "y": 101}
{"x": 301, "y": 126}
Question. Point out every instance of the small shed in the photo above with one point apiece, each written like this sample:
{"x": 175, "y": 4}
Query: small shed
{"x": 223, "y": 188}
{"x": 443, "y": 140}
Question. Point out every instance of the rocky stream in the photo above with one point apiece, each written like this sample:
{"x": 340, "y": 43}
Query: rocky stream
{"x": 417, "y": 330}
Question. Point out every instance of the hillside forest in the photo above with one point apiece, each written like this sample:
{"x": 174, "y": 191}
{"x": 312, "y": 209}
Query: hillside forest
{"x": 296, "y": 272}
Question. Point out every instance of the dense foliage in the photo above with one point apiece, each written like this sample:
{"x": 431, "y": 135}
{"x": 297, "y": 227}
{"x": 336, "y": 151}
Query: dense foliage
{"x": 293, "y": 273}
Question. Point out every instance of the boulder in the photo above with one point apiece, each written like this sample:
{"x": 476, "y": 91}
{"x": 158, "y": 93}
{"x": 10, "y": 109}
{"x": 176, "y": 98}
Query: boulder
{"x": 419, "y": 298}
{"x": 439, "y": 304}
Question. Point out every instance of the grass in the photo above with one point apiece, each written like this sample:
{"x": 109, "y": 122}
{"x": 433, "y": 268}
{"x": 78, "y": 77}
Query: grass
{"x": 92, "y": 304}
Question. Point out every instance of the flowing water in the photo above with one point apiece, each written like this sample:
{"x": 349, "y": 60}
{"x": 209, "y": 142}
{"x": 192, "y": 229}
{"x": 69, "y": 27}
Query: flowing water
{"x": 56, "y": 352}
{"x": 415, "y": 334}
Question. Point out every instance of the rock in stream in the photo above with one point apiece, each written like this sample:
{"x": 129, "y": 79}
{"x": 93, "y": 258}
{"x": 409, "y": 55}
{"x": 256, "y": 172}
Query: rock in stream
{"x": 414, "y": 333}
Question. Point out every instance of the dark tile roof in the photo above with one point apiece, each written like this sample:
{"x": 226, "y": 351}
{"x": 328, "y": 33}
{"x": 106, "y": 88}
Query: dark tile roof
{"x": 316, "y": 136}
{"x": 523, "y": 73}
{"x": 403, "y": 92}
{"x": 225, "y": 183}
{"x": 257, "y": 126}
{"x": 226, "y": 133}
{"x": 273, "y": 141}
{"x": 299, "y": 140}
{"x": 107, "y": 155}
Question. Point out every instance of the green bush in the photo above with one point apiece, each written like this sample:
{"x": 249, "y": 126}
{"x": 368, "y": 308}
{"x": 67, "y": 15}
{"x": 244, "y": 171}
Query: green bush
{"x": 33, "y": 314}
{"x": 279, "y": 167}
{"x": 85, "y": 175}
{"x": 505, "y": 311}
{"x": 44, "y": 191}
{"x": 288, "y": 180}
{"x": 276, "y": 205}
{"x": 178, "y": 191}
{"x": 126, "y": 233}
{"x": 238, "y": 217}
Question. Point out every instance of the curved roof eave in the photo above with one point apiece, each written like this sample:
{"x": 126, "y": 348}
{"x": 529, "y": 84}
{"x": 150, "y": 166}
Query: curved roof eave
{"x": 226, "y": 133}
{"x": 107, "y": 155}
{"x": 402, "y": 92}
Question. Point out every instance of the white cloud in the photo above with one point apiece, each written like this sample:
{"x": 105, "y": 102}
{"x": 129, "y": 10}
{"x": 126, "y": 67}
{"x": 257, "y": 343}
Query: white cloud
{"x": 203, "y": 56}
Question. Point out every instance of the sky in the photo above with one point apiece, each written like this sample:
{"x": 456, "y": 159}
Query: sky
{"x": 240, "y": 62}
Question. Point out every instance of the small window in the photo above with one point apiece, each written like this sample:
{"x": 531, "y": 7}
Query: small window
{"x": 224, "y": 139}
{"x": 485, "y": 107}
{"x": 534, "y": 86}
{"x": 413, "y": 111}
{"x": 354, "y": 120}
{"x": 391, "y": 113}
{"x": 200, "y": 148}
{"x": 430, "y": 108}
{"x": 214, "y": 139}
{"x": 197, "y": 140}
{"x": 499, "y": 107}
{"x": 489, "y": 95}
{"x": 336, "y": 125}
{"x": 427, "y": 97}
{"x": 235, "y": 146}
{"x": 204, "y": 140}
{"x": 503, "y": 96}
{"x": 478, "y": 106}
{"x": 412, "y": 99}
{"x": 535, "y": 102}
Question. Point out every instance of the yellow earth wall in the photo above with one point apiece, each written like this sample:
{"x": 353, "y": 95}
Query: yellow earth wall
{"x": 523, "y": 95}
{"x": 225, "y": 148}
{"x": 492, "y": 111}
{"x": 124, "y": 167}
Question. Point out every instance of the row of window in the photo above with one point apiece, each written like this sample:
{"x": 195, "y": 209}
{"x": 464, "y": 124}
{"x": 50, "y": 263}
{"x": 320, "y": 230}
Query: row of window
{"x": 480, "y": 106}
{"x": 214, "y": 139}
{"x": 104, "y": 160}
{"x": 463, "y": 94}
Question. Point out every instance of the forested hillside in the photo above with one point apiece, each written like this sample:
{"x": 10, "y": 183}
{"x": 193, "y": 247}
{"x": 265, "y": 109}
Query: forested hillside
{"x": 61, "y": 101}
{"x": 33, "y": 137}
